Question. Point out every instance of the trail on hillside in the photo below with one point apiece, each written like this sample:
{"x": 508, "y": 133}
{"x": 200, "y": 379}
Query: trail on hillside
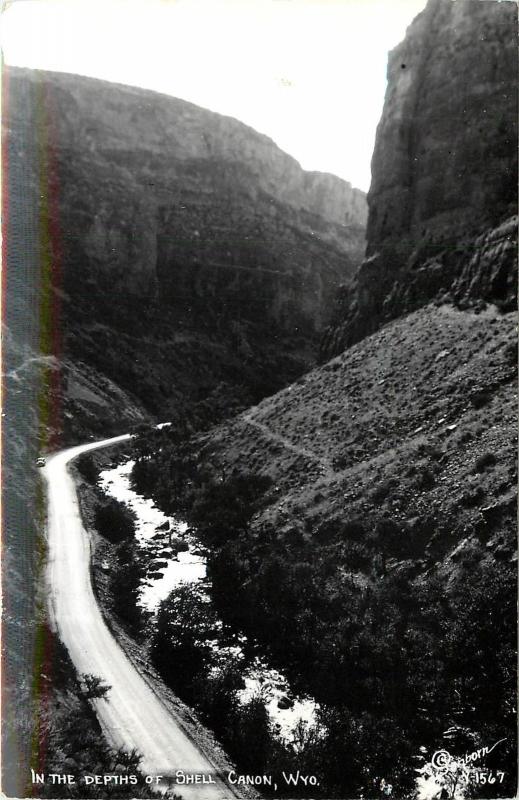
{"x": 325, "y": 463}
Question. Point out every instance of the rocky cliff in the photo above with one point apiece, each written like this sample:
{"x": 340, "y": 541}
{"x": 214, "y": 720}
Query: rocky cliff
{"x": 183, "y": 250}
{"x": 444, "y": 171}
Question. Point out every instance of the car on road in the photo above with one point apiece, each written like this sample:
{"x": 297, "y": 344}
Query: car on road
{"x": 40, "y": 462}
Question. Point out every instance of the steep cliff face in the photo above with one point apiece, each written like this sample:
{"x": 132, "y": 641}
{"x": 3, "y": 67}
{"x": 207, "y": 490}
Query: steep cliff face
{"x": 444, "y": 170}
{"x": 179, "y": 240}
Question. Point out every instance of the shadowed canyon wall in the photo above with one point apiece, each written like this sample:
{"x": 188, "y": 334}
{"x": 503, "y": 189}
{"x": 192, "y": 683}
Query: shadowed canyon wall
{"x": 185, "y": 250}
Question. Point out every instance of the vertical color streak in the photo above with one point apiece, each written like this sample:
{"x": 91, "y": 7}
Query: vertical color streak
{"x": 49, "y": 401}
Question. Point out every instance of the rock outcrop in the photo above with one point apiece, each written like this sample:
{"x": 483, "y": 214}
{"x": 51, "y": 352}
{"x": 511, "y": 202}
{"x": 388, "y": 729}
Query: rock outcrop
{"x": 184, "y": 248}
{"x": 444, "y": 171}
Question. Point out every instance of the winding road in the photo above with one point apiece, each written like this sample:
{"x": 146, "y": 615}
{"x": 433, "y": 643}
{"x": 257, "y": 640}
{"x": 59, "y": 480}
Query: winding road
{"x": 132, "y": 715}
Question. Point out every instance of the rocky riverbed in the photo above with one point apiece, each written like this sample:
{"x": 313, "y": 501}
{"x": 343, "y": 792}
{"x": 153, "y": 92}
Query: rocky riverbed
{"x": 175, "y": 556}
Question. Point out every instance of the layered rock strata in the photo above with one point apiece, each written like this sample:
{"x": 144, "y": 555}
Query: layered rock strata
{"x": 444, "y": 171}
{"x": 183, "y": 249}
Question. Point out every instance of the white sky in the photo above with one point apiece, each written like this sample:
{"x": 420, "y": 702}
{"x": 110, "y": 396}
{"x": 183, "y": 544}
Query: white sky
{"x": 310, "y": 74}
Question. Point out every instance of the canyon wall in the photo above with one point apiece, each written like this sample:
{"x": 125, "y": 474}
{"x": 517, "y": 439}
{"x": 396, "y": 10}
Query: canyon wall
{"x": 444, "y": 171}
{"x": 129, "y": 161}
{"x": 184, "y": 249}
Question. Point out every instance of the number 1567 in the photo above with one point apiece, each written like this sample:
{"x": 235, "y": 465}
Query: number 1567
{"x": 488, "y": 777}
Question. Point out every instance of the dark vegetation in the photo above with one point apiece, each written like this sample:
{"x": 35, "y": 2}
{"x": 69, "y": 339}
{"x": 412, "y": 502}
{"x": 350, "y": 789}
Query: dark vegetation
{"x": 182, "y": 651}
{"x": 378, "y": 570}
{"x": 182, "y": 637}
{"x": 126, "y": 575}
{"x": 87, "y": 468}
{"x": 70, "y": 740}
{"x": 395, "y": 657}
{"x": 114, "y": 521}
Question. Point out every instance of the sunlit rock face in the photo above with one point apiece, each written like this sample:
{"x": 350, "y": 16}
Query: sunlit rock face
{"x": 444, "y": 169}
{"x": 187, "y": 249}
{"x": 445, "y": 161}
{"x": 171, "y": 192}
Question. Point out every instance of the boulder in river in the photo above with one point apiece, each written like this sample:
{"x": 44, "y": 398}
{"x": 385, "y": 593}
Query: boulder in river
{"x": 179, "y": 546}
{"x": 160, "y": 564}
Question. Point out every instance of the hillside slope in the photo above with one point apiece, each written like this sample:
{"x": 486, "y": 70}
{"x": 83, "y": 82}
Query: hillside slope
{"x": 416, "y": 422}
{"x": 377, "y": 566}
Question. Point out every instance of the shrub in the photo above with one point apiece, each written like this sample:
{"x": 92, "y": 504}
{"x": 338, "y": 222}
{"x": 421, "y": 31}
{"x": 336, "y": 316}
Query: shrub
{"x": 382, "y": 491}
{"x": 251, "y": 737}
{"x": 93, "y": 686}
{"x": 357, "y": 555}
{"x": 425, "y": 479}
{"x": 480, "y": 399}
{"x": 180, "y": 647}
{"x": 464, "y": 436}
{"x": 125, "y": 583}
{"x": 328, "y": 531}
{"x": 87, "y": 468}
{"x": 485, "y": 460}
{"x": 223, "y": 509}
{"x": 217, "y": 698}
{"x": 353, "y": 530}
{"x": 115, "y": 521}
{"x": 70, "y": 738}
{"x": 390, "y": 537}
{"x": 473, "y": 497}
{"x": 340, "y": 462}
{"x": 294, "y": 536}
{"x": 510, "y": 353}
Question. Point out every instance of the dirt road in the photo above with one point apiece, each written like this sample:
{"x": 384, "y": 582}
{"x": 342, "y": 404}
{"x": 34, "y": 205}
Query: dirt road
{"x": 132, "y": 716}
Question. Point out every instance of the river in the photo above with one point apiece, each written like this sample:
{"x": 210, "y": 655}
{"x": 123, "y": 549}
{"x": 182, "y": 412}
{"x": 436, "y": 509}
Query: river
{"x": 176, "y": 557}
